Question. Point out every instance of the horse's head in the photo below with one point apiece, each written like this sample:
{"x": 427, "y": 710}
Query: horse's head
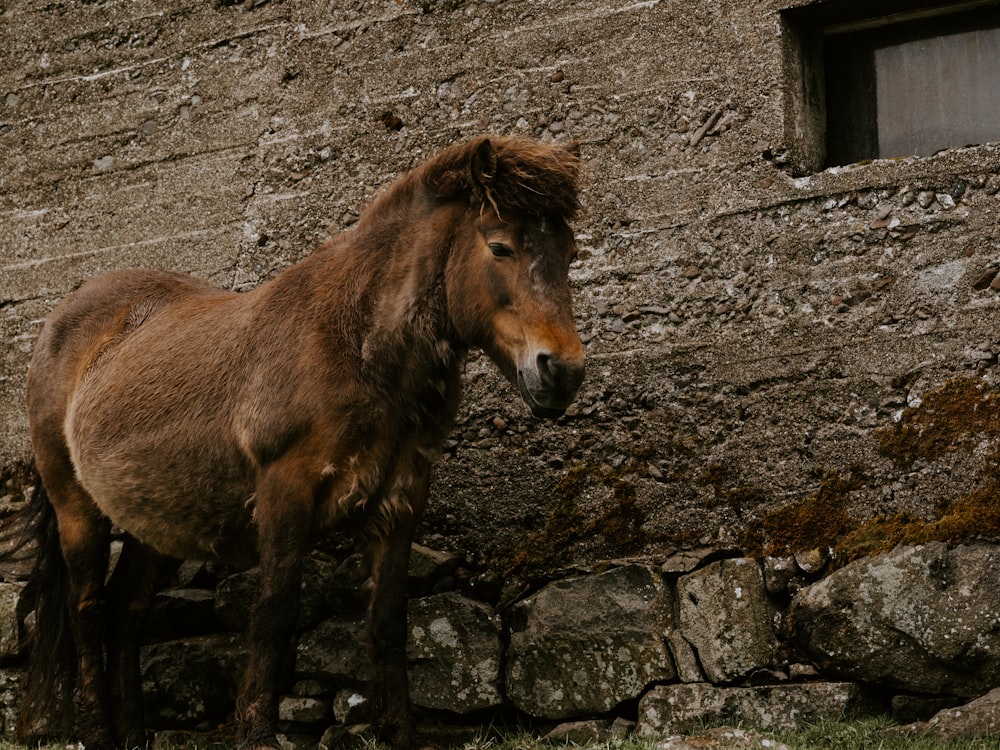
{"x": 506, "y": 281}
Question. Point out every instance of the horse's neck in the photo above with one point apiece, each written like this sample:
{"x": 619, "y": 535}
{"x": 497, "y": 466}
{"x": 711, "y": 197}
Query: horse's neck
{"x": 382, "y": 287}
{"x": 409, "y": 318}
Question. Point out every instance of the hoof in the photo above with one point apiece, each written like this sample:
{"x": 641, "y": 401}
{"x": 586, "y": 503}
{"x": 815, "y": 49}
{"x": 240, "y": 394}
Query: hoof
{"x": 339, "y": 737}
{"x": 260, "y": 743}
{"x": 398, "y": 736}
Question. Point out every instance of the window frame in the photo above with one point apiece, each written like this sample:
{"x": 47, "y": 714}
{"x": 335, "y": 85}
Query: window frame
{"x": 818, "y": 35}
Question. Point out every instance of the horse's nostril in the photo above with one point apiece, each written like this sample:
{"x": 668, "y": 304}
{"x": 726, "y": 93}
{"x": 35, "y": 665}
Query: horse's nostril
{"x": 549, "y": 386}
{"x": 547, "y": 368}
{"x": 557, "y": 374}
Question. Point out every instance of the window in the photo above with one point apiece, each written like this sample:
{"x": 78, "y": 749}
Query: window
{"x": 909, "y": 79}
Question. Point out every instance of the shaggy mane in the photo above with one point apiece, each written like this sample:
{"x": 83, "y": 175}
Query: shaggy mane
{"x": 530, "y": 178}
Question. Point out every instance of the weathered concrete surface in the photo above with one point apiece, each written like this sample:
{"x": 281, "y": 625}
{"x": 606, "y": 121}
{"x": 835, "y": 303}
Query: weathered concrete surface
{"x": 745, "y": 328}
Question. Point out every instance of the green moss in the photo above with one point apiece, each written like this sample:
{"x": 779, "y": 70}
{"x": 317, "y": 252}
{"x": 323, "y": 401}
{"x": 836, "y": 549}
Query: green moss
{"x": 960, "y": 415}
{"x": 622, "y": 522}
{"x": 817, "y": 521}
{"x": 811, "y": 524}
{"x": 947, "y": 419}
{"x": 745, "y": 497}
{"x": 877, "y": 535}
{"x": 716, "y": 474}
{"x": 619, "y": 527}
{"x": 549, "y": 548}
{"x": 822, "y": 521}
{"x": 971, "y": 517}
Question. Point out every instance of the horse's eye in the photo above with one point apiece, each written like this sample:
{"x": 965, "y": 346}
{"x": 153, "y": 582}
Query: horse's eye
{"x": 500, "y": 250}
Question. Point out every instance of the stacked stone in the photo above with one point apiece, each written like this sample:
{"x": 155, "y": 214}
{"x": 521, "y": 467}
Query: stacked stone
{"x": 658, "y": 648}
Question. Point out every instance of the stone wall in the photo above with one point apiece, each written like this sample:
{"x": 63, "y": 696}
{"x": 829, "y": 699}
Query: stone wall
{"x": 653, "y": 647}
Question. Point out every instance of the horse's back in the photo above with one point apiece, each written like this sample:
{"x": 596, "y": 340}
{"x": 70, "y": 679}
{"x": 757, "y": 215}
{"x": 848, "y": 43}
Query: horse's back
{"x": 86, "y": 321}
{"x": 103, "y": 307}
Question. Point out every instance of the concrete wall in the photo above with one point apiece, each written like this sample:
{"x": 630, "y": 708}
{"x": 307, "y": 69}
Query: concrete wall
{"x": 748, "y": 330}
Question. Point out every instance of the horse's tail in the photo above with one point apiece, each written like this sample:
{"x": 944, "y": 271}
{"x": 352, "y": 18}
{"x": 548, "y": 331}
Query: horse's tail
{"x": 47, "y": 695}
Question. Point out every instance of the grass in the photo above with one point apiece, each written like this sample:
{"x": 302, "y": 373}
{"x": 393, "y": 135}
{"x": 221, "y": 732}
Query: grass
{"x": 861, "y": 734}
{"x": 869, "y": 734}
{"x": 858, "y": 734}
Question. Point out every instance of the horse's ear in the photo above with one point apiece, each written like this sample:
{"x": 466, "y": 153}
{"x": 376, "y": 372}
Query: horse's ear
{"x": 483, "y": 164}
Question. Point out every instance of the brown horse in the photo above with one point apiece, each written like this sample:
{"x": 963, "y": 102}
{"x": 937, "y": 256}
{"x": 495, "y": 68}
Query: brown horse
{"x": 212, "y": 425}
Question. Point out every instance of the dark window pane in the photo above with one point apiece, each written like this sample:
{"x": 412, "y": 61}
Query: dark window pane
{"x": 938, "y": 92}
{"x": 912, "y": 78}
{"x": 851, "y": 124}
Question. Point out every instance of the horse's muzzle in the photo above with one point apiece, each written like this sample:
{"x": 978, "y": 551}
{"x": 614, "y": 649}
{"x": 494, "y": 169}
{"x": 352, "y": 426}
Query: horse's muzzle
{"x": 548, "y": 383}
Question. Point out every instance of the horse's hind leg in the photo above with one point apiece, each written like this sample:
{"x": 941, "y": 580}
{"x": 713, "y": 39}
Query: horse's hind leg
{"x": 84, "y": 537}
{"x": 140, "y": 572}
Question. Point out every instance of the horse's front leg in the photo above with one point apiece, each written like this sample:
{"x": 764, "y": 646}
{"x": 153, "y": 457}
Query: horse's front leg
{"x": 283, "y": 517}
{"x": 389, "y": 556}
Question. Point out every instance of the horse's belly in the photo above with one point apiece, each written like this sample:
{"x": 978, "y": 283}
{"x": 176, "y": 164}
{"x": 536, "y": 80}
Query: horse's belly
{"x": 184, "y": 495}
{"x": 188, "y": 515}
